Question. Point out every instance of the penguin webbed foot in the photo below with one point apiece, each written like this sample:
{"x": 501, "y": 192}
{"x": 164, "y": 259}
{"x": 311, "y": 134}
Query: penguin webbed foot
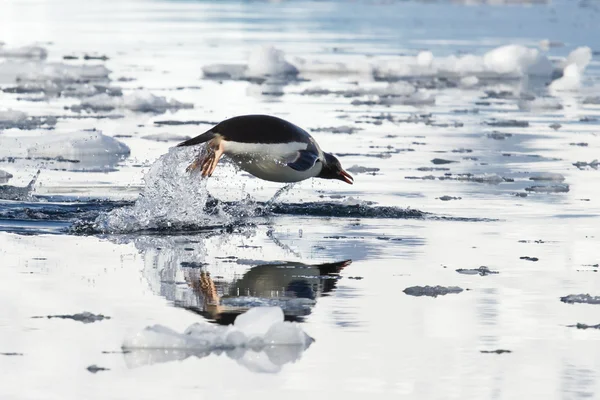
{"x": 207, "y": 159}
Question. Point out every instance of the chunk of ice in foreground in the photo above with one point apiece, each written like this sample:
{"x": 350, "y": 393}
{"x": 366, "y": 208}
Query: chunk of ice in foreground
{"x": 269, "y": 61}
{"x": 259, "y": 339}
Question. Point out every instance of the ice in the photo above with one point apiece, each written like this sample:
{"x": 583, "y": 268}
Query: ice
{"x": 581, "y": 57}
{"x": 569, "y": 82}
{"x": 510, "y": 61}
{"x": 263, "y": 62}
{"x": 165, "y": 137}
{"x": 5, "y": 176}
{"x": 257, "y": 321}
{"x": 11, "y": 117}
{"x": 517, "y": 60}
{"x": 35, "y": 52}
{"x": 269, "y": 61}
{"x": 142, "y": 101}
{"x": 469, "y": 81}
{"x": 84, "y": 150}
{"x": 272, "y": 343}
{"x": 76, "y": 145}
{"x": 20, "y": 120}
{"x": 540, "y": 104}
{"x": 60, "y": 72}
{"x": 320, "y": 67}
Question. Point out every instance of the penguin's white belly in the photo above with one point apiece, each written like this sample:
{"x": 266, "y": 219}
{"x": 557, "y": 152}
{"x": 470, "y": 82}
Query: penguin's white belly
{"x": 269, "y": 161}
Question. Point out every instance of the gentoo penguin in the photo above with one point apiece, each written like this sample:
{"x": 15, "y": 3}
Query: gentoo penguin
{"x": 267, "y": 147}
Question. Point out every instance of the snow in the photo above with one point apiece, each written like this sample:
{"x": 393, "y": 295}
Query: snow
{"x": 142, "y": 101}
{"x": 35, "y": 52}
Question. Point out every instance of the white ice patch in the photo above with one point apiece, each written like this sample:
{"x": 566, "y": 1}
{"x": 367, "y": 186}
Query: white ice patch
{"x": 263, "y": 62}
{"x": 34, "y": 52}
{"x": 259, "y": 339}
{"x": 569, "y": 82}
{"x": 269, "y": 61}
{"x": 12, "y": 116}
{"x": 142, "y": 101}
{"x": 85, "y": 147}
{"x": 511, "y": 61}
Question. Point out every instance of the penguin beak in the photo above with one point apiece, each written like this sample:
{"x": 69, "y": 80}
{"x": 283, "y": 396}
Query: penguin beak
{"x": 346, "y": 177}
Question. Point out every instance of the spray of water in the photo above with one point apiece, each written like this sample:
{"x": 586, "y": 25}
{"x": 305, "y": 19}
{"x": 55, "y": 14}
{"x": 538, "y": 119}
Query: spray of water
{"x": 171, "y": 199}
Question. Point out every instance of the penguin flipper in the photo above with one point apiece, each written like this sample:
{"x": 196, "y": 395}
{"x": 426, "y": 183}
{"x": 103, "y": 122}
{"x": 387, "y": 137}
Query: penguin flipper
{"x": 305, "y": 160}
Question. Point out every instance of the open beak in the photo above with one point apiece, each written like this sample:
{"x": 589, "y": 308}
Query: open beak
{"x": 346, "y": 177}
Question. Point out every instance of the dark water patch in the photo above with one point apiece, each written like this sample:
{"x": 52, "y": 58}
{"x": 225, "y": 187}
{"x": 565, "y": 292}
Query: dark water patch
{"x": 448, "y": 198}
{"x": 428, "y": 169}
{"x": 507, "y": 123}
{"x": 584, "y": 165}
{"x": 548, "y": 189}
{"x": 584, "y": 326}
{"x": 499, "y": 135}
{"x": 580, "y": 144}
{"x": 11, "y": 354}
{"x": 94, "y": 369}
{"x": 85, "y": 317}
{"x": 527, "y": 258}
{"x": 482, "y": 271}
{"x": 432, "y": 291}
{"x": 359, "y": 169}
{"x": 337, "y": 129}
{"x": 580, "y": 298}
{"x": 45, "y": 211}
{"x": 346, "y": 211}
{"x": 499, "y": 351}
{"x": 441, "y": 161}
{"x": 189, "y": 122}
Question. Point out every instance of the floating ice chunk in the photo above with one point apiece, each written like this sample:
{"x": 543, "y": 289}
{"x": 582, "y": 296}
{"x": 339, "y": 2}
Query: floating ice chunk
{"x": 540, "y": 104}
{"x": 269, "y": 61}
{"x": 257, "y": 321}
{"x": 59, "y": 72}
{"x": 76, "y": 145}
{"x": 581, "y": 57}
{"x": 547, "y": 176}
{"x": 263, "y": 62}
{"x": 147, "y": 102}
{"x": 425, "y": 59}
{"x": 5, "y": 176}
{"x": 142, "y": 101}
{"x": 11, "y": 116}
{"x": 286, "y": 333}
{"x": 569, "y": 82}
{"x": 35, "y": 52}
{"x": 224, "y": 71}
{"x": 469, "y": 81}
{"x": 20, "y": 120}
{"x": 318, "y": 67}
{"x": 258, "y": 327}
{"x": 18, "y": 193}
{"x": 516, "y": 60}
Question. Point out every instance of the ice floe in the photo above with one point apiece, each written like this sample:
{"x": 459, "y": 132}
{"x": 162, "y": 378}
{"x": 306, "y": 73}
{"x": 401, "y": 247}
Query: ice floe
{"x": 20, "y": 120}
{"x": 263, "y": 62}
{"x": 34, "y": 52}
{"x": 5, "y": 176}
{"x": 259, "y": 339}
{"x": 141, "y": 101}
{"x": 84, "y": 150}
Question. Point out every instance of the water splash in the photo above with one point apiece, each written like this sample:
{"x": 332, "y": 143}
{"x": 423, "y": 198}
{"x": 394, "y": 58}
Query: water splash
{"x": 172, "y": 199}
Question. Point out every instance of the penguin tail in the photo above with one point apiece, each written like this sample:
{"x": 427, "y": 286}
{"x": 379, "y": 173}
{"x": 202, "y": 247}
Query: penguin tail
{"x": 205, "y": 137}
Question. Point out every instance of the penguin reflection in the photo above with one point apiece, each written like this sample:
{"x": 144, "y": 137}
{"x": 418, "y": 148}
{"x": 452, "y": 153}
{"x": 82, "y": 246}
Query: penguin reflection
{"x": 274, "y": 281}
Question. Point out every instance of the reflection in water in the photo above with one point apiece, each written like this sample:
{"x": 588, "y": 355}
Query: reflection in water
{"x": 199, "y": 273}
{"x": 293, "y": 286}
{"x": 269, "y": 359}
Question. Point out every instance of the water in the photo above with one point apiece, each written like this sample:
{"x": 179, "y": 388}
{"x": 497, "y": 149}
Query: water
{"x": 444, "y": 181}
